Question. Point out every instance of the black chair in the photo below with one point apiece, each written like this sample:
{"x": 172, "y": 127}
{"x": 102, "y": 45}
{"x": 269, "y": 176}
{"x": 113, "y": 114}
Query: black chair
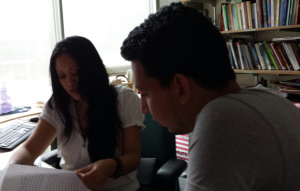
{"x": 159, "y": 169}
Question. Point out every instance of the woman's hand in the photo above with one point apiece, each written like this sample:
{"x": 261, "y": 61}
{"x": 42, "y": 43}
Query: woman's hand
{"x": 96, "y": 174}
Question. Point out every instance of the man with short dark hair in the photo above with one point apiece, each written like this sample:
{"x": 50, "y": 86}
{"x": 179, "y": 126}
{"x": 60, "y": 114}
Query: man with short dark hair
{"x": 243, "y": 139}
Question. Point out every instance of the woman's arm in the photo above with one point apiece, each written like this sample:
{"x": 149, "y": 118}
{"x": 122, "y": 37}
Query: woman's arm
{"x": 96, "y": 174}
{"x": 35, "y": 145}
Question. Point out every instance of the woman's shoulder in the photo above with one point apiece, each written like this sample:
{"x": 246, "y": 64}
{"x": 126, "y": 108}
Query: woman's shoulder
{"x": 124, "y": 91}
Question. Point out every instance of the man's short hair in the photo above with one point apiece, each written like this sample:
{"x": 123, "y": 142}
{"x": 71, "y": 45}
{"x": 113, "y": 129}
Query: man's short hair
{"x": 179, "y": 39}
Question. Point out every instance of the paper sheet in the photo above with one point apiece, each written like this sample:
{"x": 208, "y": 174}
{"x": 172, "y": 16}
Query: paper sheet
{"x": 30, "y": 178}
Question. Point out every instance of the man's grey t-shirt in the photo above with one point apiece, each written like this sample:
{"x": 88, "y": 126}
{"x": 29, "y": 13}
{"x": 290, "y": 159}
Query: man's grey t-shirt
{"x": 246, "y": 141}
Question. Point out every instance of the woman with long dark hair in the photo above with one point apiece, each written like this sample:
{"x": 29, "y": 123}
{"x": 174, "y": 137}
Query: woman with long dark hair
{"x": 97, "y": 125}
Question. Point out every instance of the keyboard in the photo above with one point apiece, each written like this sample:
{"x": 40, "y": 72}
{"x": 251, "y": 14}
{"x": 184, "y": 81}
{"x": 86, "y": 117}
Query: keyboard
{"x": 14, "y": 134}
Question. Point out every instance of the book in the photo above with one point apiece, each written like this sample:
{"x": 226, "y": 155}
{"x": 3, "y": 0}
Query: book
{"x": 281, "y": 12}
{"x": 277, "y": 12}
{"x": 249, "y": 12}
{"x": 269, "y": 12}
{"x": 297, "y": 13}
{"x": 228, "y": 18}
{"x": 282, "y": 51}
{"x": 231, "y": 16}
{"x": 264, "y": 13}
{"x": 284, "y": 10}
{"x": 291, "y": 12}
{"x": 291, "y": 55}
{"x": 265, "y": 55}
{"x": 239, "y": 16}
{"x": 270, "y": 55}
{"x": 285, "y": 38}
{"x": 254, "y": 15}
{"x": 259, "y": 13}
{"x": 230, "y": 56}
{"x": 243, "y": 16}
{"x": 236, "y": 17}
{"x": 278, "y": 56}
{"x": 248, "y": 57}
{"x": 288, "y": 12}
{"x": 235, "y": 58}
{"x": 260, "y": 57}
{"x": 274, "y": 57}
{"x": 294, "y": 12}
{"x": 254, "y": 55}
{"x": 225, "y": 17}
{"x": 272, "y": 13}
{"x": 22, "y": 177}
{"x": 296, "y": 51}
{"x": 246, "y": 61}
{"x": 241, "y": 56}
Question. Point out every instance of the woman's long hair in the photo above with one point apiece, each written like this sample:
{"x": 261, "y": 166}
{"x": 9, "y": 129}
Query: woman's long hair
{"x": 103, "y": 122}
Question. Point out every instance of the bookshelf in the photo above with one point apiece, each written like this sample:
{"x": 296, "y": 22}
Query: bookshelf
{"x": 276, "y": 72}
{"x": 281, "y": 28}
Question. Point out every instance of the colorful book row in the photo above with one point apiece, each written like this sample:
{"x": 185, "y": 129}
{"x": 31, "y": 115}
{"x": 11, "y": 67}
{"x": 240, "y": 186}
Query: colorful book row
{"x": 263, "y": 13}
{"x": 264, "y": 55}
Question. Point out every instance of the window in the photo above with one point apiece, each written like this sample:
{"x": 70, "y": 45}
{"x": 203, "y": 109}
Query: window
{"x": 30, "y": 30}
{"x": 106, "y": 24}
{"x": 26, "y": 42}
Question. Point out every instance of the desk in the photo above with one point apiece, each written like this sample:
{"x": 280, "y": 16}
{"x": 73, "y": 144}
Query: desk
{"x": 8, "y": 119}
{"x": 35, "y": 110}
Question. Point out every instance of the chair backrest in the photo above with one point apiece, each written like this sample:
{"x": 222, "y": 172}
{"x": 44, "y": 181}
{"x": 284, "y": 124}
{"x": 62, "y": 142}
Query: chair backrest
{"x": 157, "y": 141}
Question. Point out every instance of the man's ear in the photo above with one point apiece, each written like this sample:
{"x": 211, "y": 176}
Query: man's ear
{"x": 182, "y": 88}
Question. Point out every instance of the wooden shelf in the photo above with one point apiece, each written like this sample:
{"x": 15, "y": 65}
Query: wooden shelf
{"x": 290, "y": 27}
{"x": 281, "y": 72}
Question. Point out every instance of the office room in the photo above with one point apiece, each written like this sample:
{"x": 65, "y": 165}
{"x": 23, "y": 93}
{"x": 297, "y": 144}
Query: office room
{"x": 177, "y": 124}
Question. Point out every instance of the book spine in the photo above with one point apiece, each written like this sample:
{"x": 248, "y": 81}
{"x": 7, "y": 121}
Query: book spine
{"x": 283, "y": 57}
{"x": 276, "y": 63}
{"x": 288, "y": 12}
{"x": 294, "y": 12}
{"x": 248, "y": 53}
{"x": 225, "y": 18}
{"x": 234, "y": 56}
{"x": 239, "y": 15}
{"x": 284, "y": 13}
{"x": 260, "y": 57}
{"x": 246, "y": 61}
{"x": 281, "y": 12}
{"x": 277, "y": 12}
{"x": 291, "y": 12}
{"x": 249, "y": 12}
{"x": 238, "y": 45}
{"x": 236, "y": 19}
{"x": 296, "y": 52}
{"x": 230, "y": 55}
{"x": 270, "y": 55}
{"x": 265, "y": 14}
{"x": 246, "y": 15}
{"x": 243, "y": 15}
{"x": 269, "y": 12}
{"x": 282, "y": 49}
{"x": 265, "y": 56}
{"x": 290, "y": 54}
{"x": 230, "y": 17}
{"x": 278, "y": 56}
{"x": 254, "y": 55}
{"x": 272, "y": 13}
{"x": 297, "y": 13}
{"x": 253, "y": 15}
{"x": 259, "y": 13}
